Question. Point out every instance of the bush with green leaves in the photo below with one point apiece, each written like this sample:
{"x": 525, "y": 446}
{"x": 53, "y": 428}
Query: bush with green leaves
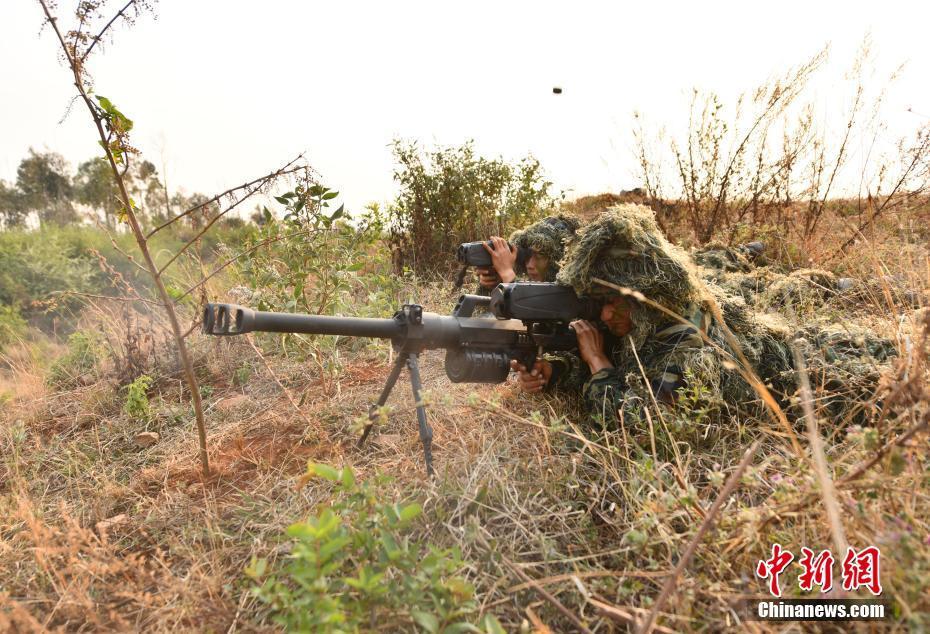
{"x": 355, "y": 566}
{"x": 450, "y": 195}
{"x": 315, "y": 261}
{"x": 79, "y": 363}
{"x": 137, "y": 400}
{"x": 12, "y": 326}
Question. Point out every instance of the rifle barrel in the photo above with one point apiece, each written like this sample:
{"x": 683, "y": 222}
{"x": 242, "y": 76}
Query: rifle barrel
{"x": 232, "y": 319}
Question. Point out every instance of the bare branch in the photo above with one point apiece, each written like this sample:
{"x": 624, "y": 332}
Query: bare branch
{"x": 240, "y": 255}
{"x": 248, "y": 194}
{"x": 287, "y": 169}
{"x": 111, "y": 297}
{"x": 100, "y": 35}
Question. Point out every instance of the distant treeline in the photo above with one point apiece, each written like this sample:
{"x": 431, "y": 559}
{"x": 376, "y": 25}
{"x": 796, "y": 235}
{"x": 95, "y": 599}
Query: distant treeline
{"x": 48, "y": 192}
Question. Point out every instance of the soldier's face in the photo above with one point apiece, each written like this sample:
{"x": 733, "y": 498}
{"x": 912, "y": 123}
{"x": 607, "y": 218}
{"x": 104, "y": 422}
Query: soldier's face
{"x": 617, "y": 314}
{"x": 537, "y": 267}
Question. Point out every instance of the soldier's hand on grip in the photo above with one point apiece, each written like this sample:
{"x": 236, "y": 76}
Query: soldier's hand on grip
{"x": 535, "y": 380}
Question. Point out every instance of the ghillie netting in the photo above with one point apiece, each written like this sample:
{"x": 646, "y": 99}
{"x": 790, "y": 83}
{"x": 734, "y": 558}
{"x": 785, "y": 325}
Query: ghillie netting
{"x": 761, "y": 306}
{"x": 548, "y": 238}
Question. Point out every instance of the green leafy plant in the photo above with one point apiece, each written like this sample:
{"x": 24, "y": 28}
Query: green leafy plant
{"x": 450, "y": 195}
{"x": 355, "y": 566}
{"x": 315, "y": 262}
{"x": 84, "y": 353}
{"x": 12, "y": 325}
{"x": 137, "y": 401}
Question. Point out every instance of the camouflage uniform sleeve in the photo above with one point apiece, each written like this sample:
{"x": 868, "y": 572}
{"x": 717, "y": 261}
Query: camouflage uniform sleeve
{"x": 569, "y": 372}
{"x": 671, "y": 354}
{"x": 605, "y": 395}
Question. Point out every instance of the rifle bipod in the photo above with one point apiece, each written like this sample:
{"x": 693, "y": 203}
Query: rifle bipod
{"x": 426, "y": 432}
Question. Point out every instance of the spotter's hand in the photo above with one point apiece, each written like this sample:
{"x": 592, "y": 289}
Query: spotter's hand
{"x": 590, "y": 345}
{"x": 487, "y": 277}
{"x": 535, "y": 380}
{"x": 503, "y": 257}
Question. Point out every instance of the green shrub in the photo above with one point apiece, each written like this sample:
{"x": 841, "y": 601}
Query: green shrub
{"x": 12, "y": 325}
{"x": 355, "y": 564}
{"x": 449, "y": 196}
{"x": 85, "y": 351}
{"x": 43, "y": 272}
{"x": 314, "y": 261}
{"x": 137, "y": 401}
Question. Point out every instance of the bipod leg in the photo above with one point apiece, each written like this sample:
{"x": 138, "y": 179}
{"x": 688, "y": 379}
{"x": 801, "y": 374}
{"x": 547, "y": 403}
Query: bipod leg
{"x": 385, "y": 393}
{"x": 426, "y": 432}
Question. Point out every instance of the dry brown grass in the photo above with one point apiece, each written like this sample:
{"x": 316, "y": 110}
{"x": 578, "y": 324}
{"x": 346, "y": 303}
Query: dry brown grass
{"x": 98, "y": 534}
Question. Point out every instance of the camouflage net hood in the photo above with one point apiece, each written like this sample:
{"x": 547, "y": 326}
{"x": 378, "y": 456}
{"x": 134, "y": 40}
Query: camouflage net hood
{"x": 625, "y": 246}
{"x": 548, "y": 238}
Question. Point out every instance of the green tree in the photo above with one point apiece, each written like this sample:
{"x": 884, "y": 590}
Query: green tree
{"x": 450, "y": 195}
{"x": 45, "y": 184}
{"x": 94, "y": 186}
{"x": 12, "y": 206}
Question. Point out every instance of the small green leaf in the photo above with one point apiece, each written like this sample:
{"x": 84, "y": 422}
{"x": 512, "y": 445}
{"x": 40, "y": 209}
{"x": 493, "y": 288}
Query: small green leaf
{"x": 330, "y": 196}
{"x": 282, "y": 200}
{"x": 257, "y": 568}
{"x": 301, "y": 530}
{"x": 332, "y": 547}
{"x": 348, "y": 478}
{"x": 390, "y": 546}
{"x": 410, "y": 512}
{"x": 491, "y": 625}
{"x": 426, "y": 620}
{"x": 338, "y": 213}
{"x": 324, "y": 471}
{"x": 106, "y": 104}
{"x": 355, "y": 267}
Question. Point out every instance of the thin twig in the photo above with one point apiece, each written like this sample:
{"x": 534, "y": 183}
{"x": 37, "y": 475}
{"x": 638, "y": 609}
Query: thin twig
{"x": 919, "y": 153}
{"x": 708, "y": 522}
{"x": 284, "y": 170}
{"x": 112, "y": 297}
{"x": 539, "y": 589}
{"x": 241, "y": 255}
{"x": 622, "y": 616}
{"x": 857, "y": 473}
{"x": 100, "y": 35}
{"x": 820, "y": 460}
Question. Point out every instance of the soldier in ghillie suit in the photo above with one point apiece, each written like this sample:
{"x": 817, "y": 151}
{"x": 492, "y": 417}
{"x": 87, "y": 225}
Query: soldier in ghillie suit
{"x": 640, "y": 355}
{"x": 546, "y": 242}
{"x": 637, "y": 352}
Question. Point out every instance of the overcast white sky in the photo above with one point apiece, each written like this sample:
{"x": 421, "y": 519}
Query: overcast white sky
{"x": 226, "y": 90}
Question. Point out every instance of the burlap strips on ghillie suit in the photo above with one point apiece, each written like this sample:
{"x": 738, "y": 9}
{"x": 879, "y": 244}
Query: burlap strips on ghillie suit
{"x": 625, "y": 247}
{"x": 547, "y": 238}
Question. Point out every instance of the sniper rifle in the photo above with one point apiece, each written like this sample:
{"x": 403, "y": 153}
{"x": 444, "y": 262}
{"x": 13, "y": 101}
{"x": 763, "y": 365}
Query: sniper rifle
{"x": 531, "y": 317}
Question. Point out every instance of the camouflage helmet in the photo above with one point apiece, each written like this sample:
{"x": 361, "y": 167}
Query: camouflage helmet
{"x": 548, "y": 238}
{"x": 624, "y": 246}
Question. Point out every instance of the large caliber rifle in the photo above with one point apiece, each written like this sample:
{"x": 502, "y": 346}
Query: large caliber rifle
{"x": 529, "y": 319}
